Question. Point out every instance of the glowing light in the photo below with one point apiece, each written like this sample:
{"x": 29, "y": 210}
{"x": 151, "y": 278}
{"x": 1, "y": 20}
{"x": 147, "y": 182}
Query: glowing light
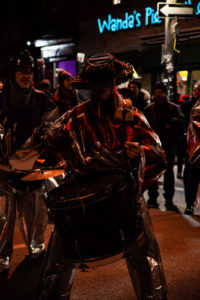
{"x": 116, "y": 2}
{"x": 184, "y": 75}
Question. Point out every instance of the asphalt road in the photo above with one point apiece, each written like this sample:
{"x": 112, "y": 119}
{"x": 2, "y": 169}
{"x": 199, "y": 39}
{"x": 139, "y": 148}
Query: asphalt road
{"x": 178, "y": 236}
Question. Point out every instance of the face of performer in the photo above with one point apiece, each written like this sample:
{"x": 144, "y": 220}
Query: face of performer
{"x": 24, "y": 77}
{"x": 159, "y": 96}
{"x": 102, "y": 94}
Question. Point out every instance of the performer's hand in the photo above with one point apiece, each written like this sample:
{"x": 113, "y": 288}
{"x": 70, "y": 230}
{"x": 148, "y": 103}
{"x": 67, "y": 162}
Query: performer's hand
{"x": 132, "y": 149}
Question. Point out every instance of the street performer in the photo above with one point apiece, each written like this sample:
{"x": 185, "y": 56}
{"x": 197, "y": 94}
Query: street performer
{"x": 105, "y": 142}
{"x": 22, "y": 108}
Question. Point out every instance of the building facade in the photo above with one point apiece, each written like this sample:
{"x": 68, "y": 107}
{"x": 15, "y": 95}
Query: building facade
{"x": 61, "y": 34}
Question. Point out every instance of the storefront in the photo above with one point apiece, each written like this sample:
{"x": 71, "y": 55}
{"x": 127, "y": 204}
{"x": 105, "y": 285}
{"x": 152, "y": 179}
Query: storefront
{"x": 55, "y": 55}
{"x": 133, "y": 32}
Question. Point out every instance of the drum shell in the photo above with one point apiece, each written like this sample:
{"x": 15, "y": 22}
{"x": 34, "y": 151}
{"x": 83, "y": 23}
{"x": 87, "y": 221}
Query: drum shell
{"x": 98, "y": 224}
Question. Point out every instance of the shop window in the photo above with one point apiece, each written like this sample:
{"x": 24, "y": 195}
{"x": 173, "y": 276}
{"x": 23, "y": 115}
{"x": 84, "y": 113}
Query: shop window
{"x": 182, "y": 82}
{"x": 185, "y": 81}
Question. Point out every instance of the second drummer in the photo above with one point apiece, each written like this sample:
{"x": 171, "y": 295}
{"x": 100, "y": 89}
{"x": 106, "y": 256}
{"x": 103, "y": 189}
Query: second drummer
{"x": 22, "y": 109}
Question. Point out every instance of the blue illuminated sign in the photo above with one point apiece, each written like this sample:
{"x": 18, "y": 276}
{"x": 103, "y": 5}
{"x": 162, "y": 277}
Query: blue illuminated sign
{"x": 198, "y": 9}
{"x": 129, "y": 21}
{"x": 135, "y": 19}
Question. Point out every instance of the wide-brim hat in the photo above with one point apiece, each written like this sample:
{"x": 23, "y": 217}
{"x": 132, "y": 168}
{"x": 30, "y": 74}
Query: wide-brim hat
{"x": 22, "y": 59}
{"x": 104, "y": 70}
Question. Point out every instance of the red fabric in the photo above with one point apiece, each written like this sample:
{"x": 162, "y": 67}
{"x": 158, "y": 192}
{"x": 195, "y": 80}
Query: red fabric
{"x": 111, "y": 135}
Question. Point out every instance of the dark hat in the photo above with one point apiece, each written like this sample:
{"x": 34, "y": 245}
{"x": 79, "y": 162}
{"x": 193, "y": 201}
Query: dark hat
{"x": 23, "y": 59}
{"x": 160, "y": 86}
{"x": 62, "y": 75}
{"x": 104, "y": 70}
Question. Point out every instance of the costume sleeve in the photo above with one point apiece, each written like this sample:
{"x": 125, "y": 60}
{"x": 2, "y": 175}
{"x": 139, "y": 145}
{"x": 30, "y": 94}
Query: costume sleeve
{"x": 154, "y": 161}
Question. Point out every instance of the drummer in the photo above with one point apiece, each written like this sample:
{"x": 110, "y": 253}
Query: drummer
{"x": 22, "y": 108}
{"x": 105, "y": 124}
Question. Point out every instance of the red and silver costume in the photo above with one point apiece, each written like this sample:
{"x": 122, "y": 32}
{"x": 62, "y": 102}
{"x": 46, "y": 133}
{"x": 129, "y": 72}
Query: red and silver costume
{"x": 90, "y": 138}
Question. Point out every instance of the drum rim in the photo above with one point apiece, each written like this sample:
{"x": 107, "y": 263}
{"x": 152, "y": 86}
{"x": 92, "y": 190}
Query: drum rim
{"x": 80, "y": 203}
{"x": 99, "y": 260}
{"x": 96, "y": 197}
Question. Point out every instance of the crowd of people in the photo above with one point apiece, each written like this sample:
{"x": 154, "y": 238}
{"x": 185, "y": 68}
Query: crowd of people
{"x": 126, "y": 138}
{"x": 172, "y": 121}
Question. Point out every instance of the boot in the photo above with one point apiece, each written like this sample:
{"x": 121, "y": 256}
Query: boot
{"x": 189, "y": 210}
{"x": 170, "y": 205}
{"x": 152, "y": 203}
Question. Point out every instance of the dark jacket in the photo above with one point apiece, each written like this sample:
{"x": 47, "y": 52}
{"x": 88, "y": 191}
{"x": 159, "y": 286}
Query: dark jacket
{"x": 186, "y": 108}
{"x": 167, "y": 121}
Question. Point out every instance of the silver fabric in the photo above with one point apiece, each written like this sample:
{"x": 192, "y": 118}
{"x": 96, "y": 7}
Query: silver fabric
{"x": 33, "y": 219}
{"x": 4, "y": 263}
{"x": 143, "y": 262}
{"x": 57, "y": 275}
{"x": 7, "y": 220}
{"x": 193, "y": 146}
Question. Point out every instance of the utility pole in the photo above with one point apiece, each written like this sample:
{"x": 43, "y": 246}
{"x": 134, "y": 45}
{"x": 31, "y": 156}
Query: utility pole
{"x": 168, "y": 55}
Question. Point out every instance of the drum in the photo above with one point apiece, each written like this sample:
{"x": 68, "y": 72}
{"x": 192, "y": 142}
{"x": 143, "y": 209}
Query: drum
{"x": 21, "y": 164}
{"x": 25, "y": 177}
{"x": 95, "y": 217}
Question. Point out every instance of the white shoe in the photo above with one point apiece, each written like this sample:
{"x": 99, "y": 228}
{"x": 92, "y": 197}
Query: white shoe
{"x": 37, "y": 250}
{"x": 5, "y": 263}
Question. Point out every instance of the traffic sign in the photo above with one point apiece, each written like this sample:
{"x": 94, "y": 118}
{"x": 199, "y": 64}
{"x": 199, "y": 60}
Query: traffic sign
{"x": 171, "y": 10}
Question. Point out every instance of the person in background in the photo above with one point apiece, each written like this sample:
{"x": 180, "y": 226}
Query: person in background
{"x": 106, "y": 136}
{"x": 65, "y": 95}
{"x": 22, "y": 109}
{"x": 182, "y": 143}
{"x": 168, "y": 122}
{"x": 45, "y": 86}
{"x": 186, "y": 106}
{"x": 138, "y": 96}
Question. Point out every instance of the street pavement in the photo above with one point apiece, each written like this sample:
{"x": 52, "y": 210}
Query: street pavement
{"x": 178, "y": 236}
